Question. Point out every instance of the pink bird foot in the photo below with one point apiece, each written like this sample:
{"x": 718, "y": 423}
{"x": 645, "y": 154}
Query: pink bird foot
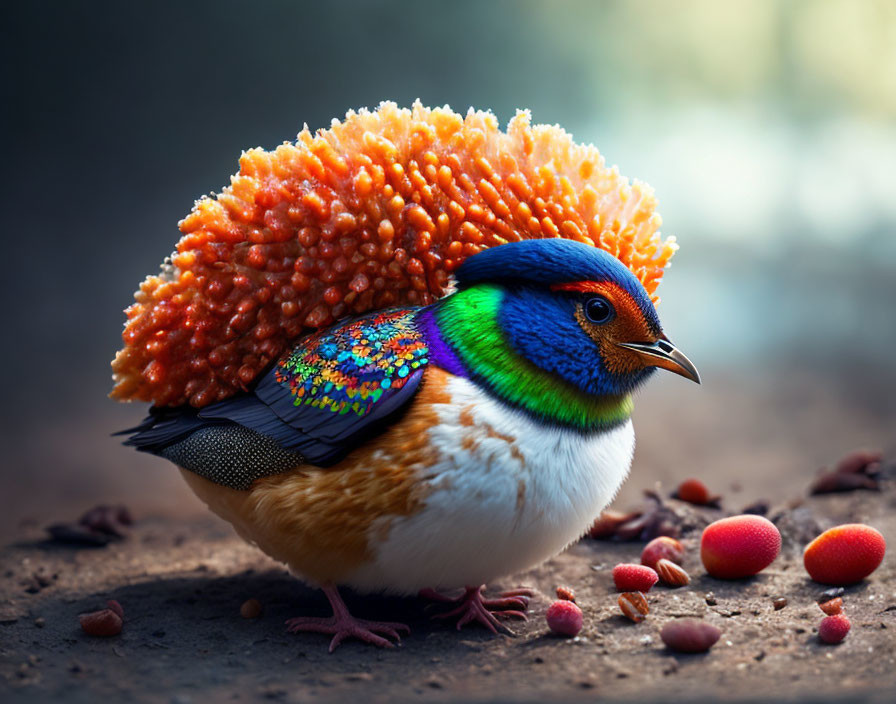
{"x": 472, "y": 606}
{"x": 343, "y": 625}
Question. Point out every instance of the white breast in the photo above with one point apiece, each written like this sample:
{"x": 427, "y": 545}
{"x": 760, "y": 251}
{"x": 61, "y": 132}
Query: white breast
{"x": 506, "y": 494}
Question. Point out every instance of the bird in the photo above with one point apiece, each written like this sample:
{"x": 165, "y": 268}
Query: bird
{"x": 411, "y": 425}
{"x": 423, "y": 449}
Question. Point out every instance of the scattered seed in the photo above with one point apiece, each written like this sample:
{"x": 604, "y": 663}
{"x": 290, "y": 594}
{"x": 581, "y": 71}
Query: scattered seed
{"x": 832, "y": 606}
{"x": 633, "y": 606}
{"x": 251, "y": 608}
{"x": 779, "y": 602}
{"x": 103, "y": 623}
{"x": 566, "y": 593}
{"x": 671, "y": 574}
{"x": 607, "y": 523}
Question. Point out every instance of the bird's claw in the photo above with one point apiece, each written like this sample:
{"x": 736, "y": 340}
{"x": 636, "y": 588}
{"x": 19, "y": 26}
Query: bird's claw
{"x": 349, "y": 627}
{"x": 472, "y": 607}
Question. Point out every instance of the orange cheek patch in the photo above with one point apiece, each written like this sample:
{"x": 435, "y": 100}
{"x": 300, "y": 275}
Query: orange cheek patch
{"x": 629, "y": 325}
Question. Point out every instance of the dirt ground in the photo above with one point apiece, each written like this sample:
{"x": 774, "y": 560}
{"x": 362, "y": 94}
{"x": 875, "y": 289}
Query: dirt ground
{"x": 182, "y": 581}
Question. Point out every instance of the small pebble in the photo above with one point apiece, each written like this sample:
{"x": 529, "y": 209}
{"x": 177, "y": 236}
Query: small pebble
{"x": 689, "y": 635}
{"x": 829, "y": 594}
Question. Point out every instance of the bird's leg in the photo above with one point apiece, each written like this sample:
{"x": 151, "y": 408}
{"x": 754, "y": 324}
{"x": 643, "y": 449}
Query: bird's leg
{"x": 343, "y": 625}
{"x": 473, "y": 606}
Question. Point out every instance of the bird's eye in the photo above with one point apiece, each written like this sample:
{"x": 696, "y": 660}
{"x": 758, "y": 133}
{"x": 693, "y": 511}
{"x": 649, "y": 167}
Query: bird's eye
{"x": 598, "y": 310}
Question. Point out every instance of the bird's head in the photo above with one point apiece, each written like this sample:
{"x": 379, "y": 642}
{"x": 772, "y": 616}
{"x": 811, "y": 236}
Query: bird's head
{"x": 575, "y": 312}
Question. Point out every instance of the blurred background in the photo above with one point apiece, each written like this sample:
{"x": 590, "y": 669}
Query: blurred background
{"x": 767, "y": 128}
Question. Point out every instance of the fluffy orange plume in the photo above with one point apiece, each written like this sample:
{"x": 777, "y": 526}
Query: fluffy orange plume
{"x": 374, "y": 212}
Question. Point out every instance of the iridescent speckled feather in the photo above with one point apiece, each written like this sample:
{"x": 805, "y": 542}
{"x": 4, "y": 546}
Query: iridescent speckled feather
{"x": 348, "y": 368}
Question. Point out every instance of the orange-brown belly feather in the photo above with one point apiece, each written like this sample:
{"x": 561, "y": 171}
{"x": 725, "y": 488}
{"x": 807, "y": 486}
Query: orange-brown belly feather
{"x": 321, "y": 522}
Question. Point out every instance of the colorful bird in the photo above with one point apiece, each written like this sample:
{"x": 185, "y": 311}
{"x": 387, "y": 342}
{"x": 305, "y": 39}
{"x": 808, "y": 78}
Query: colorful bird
{"x": 417, "y": 449}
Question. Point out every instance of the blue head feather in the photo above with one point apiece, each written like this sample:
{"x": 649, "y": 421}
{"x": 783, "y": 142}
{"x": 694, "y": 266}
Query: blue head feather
{"x": 540, "y": 324}
{"x": 552, "y": 261}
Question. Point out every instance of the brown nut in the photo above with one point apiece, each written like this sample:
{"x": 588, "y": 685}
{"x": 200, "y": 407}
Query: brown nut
{"x": 251, "y": 608}
{"x": 116, "y": 607}
{"x": 102, "y": 623}
{"x": 689, "y": 635}
{"x": 633, "y": 606}
{"x": 832, "y": 606}
{"x": 779, "y": 602}
{"x": 671, "y": 574}
{"x": 606, "y": 524}
{"x": 566, "y": 593}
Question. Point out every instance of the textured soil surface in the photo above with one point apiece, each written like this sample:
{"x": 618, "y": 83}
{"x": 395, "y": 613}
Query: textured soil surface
{"x": 181, "y": 584}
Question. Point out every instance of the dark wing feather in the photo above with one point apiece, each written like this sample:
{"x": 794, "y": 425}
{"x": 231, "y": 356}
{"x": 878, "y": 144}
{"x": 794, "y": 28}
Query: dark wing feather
{"x": 163, "y": 427}
{"x": 333, "y": 391}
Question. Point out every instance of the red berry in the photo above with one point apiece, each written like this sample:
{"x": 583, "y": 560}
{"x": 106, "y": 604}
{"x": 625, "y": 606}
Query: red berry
{"x": 833, "y": 629}
{"x": 739, "y": 546}
{"x": 660, "y": 548}
{"x": 564, "y": 618}
{"x": 844, "y": 554}
{"x": 693, "y": 491}
{"x": 629, "y": 577}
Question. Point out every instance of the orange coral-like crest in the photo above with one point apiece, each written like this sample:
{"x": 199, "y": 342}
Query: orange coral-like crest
{"x": 376, "y": 211}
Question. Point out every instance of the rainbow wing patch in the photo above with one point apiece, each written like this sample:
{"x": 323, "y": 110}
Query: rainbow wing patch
{"x": 350, "y": 368}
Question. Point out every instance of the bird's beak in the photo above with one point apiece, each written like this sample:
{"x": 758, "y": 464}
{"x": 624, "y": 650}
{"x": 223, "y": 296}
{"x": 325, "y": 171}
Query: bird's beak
{"x": 665, "y": 355}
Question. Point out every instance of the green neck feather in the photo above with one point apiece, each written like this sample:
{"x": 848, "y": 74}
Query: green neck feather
{"x": 468, "y": 322}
